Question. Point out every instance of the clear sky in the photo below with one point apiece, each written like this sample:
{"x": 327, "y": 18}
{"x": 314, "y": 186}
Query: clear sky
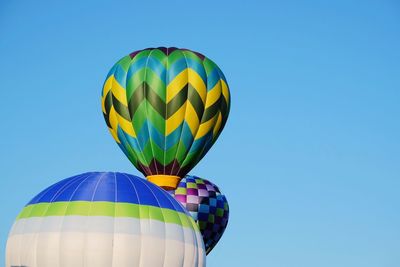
{"x": 310, "y": 157}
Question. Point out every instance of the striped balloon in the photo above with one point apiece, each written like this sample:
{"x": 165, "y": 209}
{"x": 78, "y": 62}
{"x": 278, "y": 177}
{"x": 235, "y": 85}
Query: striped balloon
{"x": 104, "y": 220}
{"x": 165, "y": 107}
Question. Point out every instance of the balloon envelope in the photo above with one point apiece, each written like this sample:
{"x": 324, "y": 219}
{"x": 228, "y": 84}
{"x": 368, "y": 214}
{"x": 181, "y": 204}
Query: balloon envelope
{"x": 208, "y": 207}
{"x": 165, "y": 107}
{"x": 104, "y": 220}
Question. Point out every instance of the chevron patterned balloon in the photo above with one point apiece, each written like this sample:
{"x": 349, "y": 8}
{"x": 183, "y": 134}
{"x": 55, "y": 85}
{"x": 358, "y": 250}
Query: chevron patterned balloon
{"x": 165, "y": 107}
{"x": 207, "y": 205}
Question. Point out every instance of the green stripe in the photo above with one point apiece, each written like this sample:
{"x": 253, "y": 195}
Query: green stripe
{"x": 191, "y": 55}
{"x": 124, "y": 63}
{"x": 148, "y": 76}
{"x": 143, "y": 92}
{"x": 159, "y": 55}
{"x": 177, "y": 102}
{"x": 174, "y": 56}
{"x": 211, "y": 111}
{"x": 121, "y": 109}
{"x": 107, "y": 119}
{"x": 110, "y": 209}
{"x": 209, "y": 65}
{"x": 196, "y": 101}
{"x": 108, "y": 102}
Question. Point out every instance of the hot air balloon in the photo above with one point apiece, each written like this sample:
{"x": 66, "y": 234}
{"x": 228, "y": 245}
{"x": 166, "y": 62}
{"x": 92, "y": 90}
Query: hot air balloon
{"x": 208, "y": 207}
{"x": 165, "y": 107}
{"x": 104, "y": 219}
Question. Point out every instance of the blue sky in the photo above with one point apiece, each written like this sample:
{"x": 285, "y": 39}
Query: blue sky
{"x": 309, "y": 159}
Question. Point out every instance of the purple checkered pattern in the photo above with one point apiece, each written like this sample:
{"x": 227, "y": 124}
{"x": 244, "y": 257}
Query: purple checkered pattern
{"x": 208, "y": 207}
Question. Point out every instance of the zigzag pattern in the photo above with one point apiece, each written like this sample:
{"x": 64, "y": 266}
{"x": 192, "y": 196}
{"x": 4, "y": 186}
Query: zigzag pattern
{"x": 165, "y": 107}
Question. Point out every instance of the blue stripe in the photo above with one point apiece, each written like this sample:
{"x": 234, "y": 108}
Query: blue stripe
{"x": 110, "y": 187}
{"x": 126, "y": 191}
{"x": 212, "y": 79}
{"x": 111, "y": 72}
{"x": 180, "y": 134}
{"x": 47, "y": 194}
{"x": 176, "y": 68}
{"x": 101, "y": 189}
{"x": 136, "y": 65}
{"x": 222, "y": 75}
{"x": 174, "y": 137}
{"x": 181, "y": 64}
{"x": 152, "y": 63}
{"x": 199, "y": 143}
{"x": 157, "y": 67}
{"x": 127, "y": 140}
{"x": 67, "y": 192}
{"x": 120, "y": 75}
{"x": 198, "y": 68}
{"x": 186, "y": 137}
{"x": 142, "y": 136}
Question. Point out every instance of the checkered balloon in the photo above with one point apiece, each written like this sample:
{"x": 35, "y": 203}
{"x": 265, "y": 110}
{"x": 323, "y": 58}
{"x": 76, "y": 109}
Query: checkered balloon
{"x": 208, "y": 207}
